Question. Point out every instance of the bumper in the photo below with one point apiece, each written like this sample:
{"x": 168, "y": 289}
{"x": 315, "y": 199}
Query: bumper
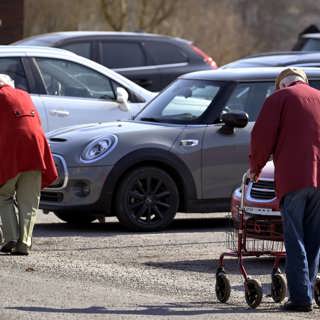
{"x": 82, "y": 190}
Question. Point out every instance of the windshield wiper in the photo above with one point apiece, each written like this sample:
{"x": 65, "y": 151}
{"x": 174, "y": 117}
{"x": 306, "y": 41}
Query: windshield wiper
{"x": 150, "y": 119}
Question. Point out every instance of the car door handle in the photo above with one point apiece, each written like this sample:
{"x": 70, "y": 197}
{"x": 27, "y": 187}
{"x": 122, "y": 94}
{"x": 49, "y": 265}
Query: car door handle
{"x": 59, "y": 113}
{"x": 189, "y": 142}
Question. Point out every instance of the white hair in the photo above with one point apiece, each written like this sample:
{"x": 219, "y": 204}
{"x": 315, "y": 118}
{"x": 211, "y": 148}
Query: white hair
{"x": 286, "y": 81}
{"x": 6, "y": 80}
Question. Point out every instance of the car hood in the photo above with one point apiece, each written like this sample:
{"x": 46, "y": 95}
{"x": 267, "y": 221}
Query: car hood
{"x": 131, "y": 136}
{"x": 267, "y": 171}
{"x": 94, "y": 130}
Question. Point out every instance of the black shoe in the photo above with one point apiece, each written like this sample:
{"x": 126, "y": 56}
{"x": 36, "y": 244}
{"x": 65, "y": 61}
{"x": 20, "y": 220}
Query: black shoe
{"x": 8, "y": 247}
{"x": 21, "y": 249}
{"x": 290, "y": 306}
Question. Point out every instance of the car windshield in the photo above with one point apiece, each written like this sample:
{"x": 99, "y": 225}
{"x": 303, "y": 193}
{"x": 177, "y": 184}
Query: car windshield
{"x": 184, "y": 101}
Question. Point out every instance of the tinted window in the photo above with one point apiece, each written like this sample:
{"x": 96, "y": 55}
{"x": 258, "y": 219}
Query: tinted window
{"x": 65, "y": 78}
{"x": 249, "y": 97}
{"x": 80, "y": 48}
{"x": 183, "y": 102}
{"x": 311, "y": 45}
{"x": 315, "y": 84}
{"x": 164, "y": 53}
{"x": 122, "y": 55}
{"x": 14, "y": 68}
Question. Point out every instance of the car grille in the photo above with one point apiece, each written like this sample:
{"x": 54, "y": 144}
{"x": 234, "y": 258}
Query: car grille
{"x": 62, "y": 174}
{"x": 263, "y": 190}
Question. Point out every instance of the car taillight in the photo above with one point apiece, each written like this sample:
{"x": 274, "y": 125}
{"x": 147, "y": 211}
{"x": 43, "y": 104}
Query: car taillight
{"x": 207, "y": 59}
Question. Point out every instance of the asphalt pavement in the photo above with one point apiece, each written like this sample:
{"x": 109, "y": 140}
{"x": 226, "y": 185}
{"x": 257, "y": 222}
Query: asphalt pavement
{"x": 104, "y": 272}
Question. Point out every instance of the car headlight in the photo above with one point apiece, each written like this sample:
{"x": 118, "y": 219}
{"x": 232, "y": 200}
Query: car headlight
{"x": 98, "y": 148}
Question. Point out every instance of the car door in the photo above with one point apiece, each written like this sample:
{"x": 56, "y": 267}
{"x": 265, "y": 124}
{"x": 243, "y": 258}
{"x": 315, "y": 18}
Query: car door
{"x": 76, "y": 94}
{"x": 14, "y": 67}
{"x": 225, "y": 156}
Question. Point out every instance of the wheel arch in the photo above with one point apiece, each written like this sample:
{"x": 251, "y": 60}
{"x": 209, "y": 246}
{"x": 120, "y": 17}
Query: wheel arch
{"x": 162, "y": 159}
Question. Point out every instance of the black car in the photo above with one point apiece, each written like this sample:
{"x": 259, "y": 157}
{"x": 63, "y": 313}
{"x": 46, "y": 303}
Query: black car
{"x": 150, "y": 60}
{"x": 308, "y": 39}
{"x": 277, "y": 59}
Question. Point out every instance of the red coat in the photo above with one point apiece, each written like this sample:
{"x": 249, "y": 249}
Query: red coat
{"x": 23, "y": 145}
{"x": 288, "y": 128}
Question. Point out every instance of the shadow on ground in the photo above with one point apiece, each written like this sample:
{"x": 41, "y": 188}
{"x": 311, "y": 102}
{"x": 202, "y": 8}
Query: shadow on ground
{"x": 254, "y": 266}
{"x": 111, "y": 228}
{"x": 170, "y": 309}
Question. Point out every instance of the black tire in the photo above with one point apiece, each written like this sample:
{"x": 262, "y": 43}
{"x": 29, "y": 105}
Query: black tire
{"x": 253, "y": 292}
{"x": 147, "y": 199}
{"x": 317, "y": 291}
{"x": 223, "y": 288}
{"x": 75, "y": 218}
{"x": 278, "y": 287}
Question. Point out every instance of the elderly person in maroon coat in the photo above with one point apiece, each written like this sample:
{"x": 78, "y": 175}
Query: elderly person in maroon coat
{"x": 288, "y": 129}
{"x": 26, "y": 166}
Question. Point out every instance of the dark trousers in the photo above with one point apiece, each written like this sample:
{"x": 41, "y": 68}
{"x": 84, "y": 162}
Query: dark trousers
{"x": 301, "y": 221}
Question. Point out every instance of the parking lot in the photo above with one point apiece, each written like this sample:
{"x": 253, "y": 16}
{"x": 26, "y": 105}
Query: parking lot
{"x": 104, "y": 272}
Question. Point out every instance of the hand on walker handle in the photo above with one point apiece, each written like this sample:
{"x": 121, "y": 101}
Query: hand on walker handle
{"x": 252, "y": 175}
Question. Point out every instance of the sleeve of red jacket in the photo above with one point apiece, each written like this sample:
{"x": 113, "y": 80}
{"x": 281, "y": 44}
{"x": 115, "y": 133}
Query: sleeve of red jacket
{"x": 264, "y": 133}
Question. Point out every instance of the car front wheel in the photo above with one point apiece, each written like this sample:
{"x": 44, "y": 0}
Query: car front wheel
{"x": 147, "y": 199}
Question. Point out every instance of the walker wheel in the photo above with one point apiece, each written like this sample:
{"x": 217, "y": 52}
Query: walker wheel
{"x": 317, "y": 291}
{"x": 278, "y": 287}
{"x": 223, "y": 288}
{"x": 253, "y": 292}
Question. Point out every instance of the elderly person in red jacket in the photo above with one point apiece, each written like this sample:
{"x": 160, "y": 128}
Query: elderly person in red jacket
{"x": 26, "y": 166}
{"x": 288, "y": 128}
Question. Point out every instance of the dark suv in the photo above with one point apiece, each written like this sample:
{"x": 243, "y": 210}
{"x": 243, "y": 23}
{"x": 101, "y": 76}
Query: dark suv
{"x": 150, "y": 60}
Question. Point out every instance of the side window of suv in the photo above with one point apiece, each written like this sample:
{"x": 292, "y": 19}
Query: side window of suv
{"x": 315, "y": 84}
{"x": 13, "y": 67}
{"x": 80, "y": 48}
{"x": 69, "y": 79}
{"x": 164, "y": 53}
{"x": 249, "y": 97}
{"x": 118, "y": 55}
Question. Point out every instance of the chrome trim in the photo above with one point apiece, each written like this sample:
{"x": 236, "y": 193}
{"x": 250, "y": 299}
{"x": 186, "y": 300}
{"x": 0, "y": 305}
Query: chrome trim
{"x": 249, "y": 198}
{"x": 262, "y": 211}
{"x": 156, "y": 66}
{"x": 66, "y": 175}
{"x": 264, "y": 190}
{"x": 189, "y": 142}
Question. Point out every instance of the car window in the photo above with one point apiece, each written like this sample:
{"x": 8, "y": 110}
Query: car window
{"x": 122, "y": 55}
{"x": 80, "y": 48}
{"x": 184, "y": 101}
{"x": 249, "y": 97}
{"x": 311, "y": 45}
{"x": 69, "y": 79}
{"x": 14, "y": 68}
{"x": 164, "y": 53}
{"x": 315, "y": 84}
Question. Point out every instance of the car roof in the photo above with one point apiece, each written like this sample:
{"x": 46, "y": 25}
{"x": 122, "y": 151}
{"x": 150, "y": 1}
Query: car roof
{"x": 244, "y": 74}
{"x": 49, "y": 52}
{"x": 315, "y": 35}
{"x": 276, "y": 59}
{"x": 8, "y": 49}
{"x": 56, "y": 37}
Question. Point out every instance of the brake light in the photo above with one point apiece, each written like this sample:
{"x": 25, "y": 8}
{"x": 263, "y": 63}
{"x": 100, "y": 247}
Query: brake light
{"x": 207, "y": 59}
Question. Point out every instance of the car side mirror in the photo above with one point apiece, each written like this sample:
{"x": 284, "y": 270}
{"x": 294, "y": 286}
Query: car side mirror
{"x": 233, "y": 119}
{"x": 122, "y": 99}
